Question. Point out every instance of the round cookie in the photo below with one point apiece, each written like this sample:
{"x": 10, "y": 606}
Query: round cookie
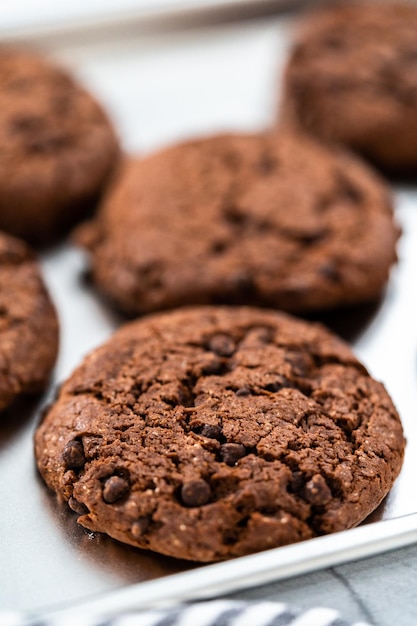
{"x": 28, "y": 323}
{"x": 352, "y": 79}
{"x": 213, "y": 432}
{"x": 276, "y": 221}
{"x": 58, "y": 148}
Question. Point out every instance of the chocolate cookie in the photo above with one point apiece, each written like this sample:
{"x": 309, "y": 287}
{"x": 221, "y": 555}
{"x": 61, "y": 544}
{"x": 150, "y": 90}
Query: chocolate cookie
{"x": 58, "y": 148}
{"x": 245, "y": 219}
{"x": 208, "y": 433}
{"x": 352, "y": 79}
{"x": 28, "y": 323}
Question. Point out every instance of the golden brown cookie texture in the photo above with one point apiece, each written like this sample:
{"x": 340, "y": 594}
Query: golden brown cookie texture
{"x": 352, "y": 79}
{"x": 213, "y": 432}
{"x": 58, "y": 148}
{"x": 276, "y": 221}
{"x": 28, "y": 323}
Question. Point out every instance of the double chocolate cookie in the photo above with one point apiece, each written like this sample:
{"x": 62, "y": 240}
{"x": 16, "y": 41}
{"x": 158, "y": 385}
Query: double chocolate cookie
{"x": 213, "y": 432}
{"x": 28, "y": 323}
{"x": 277, "y": 221}
{"x": 352, "y": 79}
{"x": 58, "y": 148}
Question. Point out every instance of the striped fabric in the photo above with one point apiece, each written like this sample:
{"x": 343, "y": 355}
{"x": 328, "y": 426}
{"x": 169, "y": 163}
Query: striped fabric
{"x": 214, "y": 613}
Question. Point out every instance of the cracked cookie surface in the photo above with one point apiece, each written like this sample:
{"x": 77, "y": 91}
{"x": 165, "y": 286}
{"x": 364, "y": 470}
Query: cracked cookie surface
{"x": 28, "y": 323}
{"x": 352, "y": 79}
{"x": 58, "y": 148}
{"x": 208, "y": 433}
{"x": 235, "y": 219}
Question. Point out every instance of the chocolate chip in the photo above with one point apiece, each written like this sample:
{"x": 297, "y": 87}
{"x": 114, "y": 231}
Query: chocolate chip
{"x": 316, "y": 490}
{"x": 27, "y": 124}
{"x": 222, "y": 344}
{"x": 45, "y": 144}
{"x": 123, "y": 472}
{"x": 38, "y": 138}
{"x": 299, "y": 364}
{"x": 243, "y": 391}
{"x": 235, "y": 216}
{"x": 330, "y": 271}
{"x": 218, "y": 246}
{"x": 140, "y": 526}
{"x": 73, "y": 455}
{"x": 297, "y": 483}
{"x": 77, "y": 507}
{"x": 232, "y": 452}
{"x": 277, "y": 385}
{"x": 195, "y": 493}
{"x": 311, "y": 237}
{"x": 211, "y": 431}
{"x": 115, "y": 488}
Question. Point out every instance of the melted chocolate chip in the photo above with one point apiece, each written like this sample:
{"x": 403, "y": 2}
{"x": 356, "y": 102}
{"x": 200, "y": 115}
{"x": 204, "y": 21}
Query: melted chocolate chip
{"x": 219, "y": 245}
{"x": 27, "y": 124}
{"x": 195, "y": 493}
{"x": 315, "y": 235}
{"x": 317, "y": 491}
{"x": 222, "y": 344}
{"x": 211, "y": 431}
{"x": 73, "y": 455}
{"x": 77, "y": 507}
{"x": 45, "y": 144}
{"x": 115, "y": 488}
{"x": 243, "y": 391}
{"x": 232, "y": 452}
{"x": 297, "y": 483}
{"x": 235, "y": 216}
{"x": 277, "y": 385}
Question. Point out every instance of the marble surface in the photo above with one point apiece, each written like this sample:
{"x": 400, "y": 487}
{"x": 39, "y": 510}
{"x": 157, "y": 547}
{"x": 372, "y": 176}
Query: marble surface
{"x": 381, "y": 590}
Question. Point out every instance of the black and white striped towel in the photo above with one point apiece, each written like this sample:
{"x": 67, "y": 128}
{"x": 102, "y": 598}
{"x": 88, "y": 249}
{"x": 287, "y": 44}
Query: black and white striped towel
{"x": 213, "y": 613}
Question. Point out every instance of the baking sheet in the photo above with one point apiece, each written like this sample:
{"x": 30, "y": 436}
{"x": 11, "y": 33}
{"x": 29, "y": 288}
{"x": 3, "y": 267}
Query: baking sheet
{"x": 160, "y": 88}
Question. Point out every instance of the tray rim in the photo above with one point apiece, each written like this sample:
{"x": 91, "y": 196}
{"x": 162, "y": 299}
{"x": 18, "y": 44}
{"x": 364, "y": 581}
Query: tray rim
{"x": 219, "y": 579}
{"x": 41, "y": 18}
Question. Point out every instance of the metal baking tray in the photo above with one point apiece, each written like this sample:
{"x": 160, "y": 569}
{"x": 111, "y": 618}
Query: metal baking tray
{"x": 160, "y": 87}
{"x": 23, "y": 18}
